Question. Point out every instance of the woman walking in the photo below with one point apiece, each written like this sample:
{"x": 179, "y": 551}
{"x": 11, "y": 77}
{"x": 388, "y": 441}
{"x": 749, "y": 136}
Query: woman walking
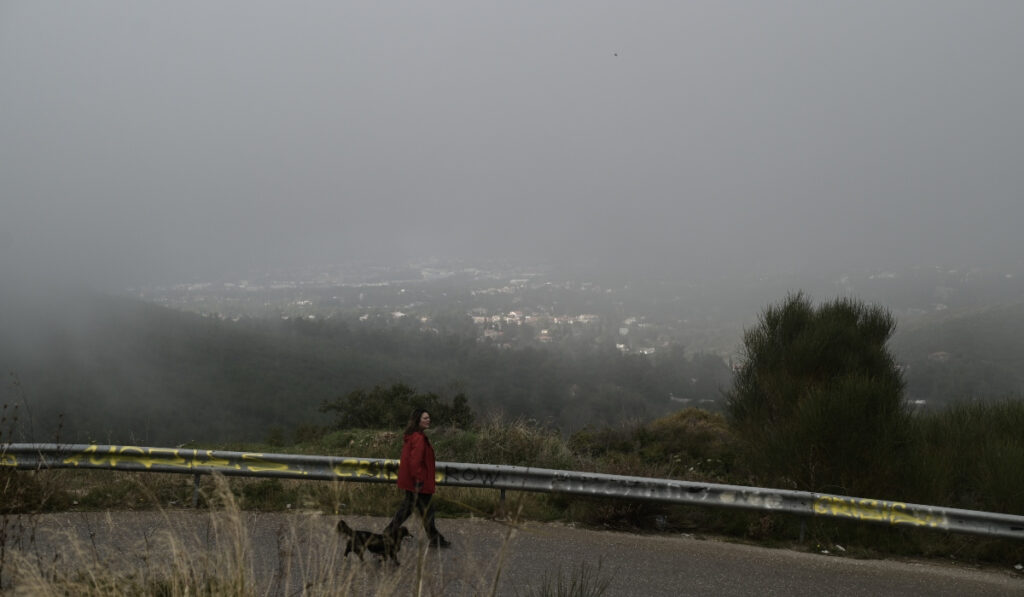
{"x": 416, "y": 478}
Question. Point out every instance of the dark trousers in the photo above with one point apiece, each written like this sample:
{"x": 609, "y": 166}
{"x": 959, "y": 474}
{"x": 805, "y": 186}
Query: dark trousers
{"x": 421, "y": 502}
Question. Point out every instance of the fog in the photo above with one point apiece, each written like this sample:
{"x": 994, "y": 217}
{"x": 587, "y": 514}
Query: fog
{"x": 151, "y": 142}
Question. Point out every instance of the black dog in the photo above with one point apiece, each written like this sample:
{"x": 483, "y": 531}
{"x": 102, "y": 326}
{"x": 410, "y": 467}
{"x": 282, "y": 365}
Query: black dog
{"x": 386, "y": 546}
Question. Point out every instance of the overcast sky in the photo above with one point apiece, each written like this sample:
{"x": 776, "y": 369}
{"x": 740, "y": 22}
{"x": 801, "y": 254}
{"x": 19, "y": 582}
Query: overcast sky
{"x": 175, "y": 139}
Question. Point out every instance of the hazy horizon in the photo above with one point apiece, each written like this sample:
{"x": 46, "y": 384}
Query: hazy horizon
{"x": 152, "y": 142}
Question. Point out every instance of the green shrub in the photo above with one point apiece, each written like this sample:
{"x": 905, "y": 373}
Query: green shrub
{"x": 389, "y": 408}
{"x": 691, "y": 444}
{"x": 970, "y": 456}
{"x": 597, "y": 442}
{"x": 819, "y": 401}
{"x": 518, "y": 443}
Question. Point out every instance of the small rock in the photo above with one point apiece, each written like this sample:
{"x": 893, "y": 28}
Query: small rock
{"x": 1019, "y": 567}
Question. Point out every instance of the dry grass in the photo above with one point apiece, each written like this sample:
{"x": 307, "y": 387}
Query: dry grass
{"x": 227, "y": 551}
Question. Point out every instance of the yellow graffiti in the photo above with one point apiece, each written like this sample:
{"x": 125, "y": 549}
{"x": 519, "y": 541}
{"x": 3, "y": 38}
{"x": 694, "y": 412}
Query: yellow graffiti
{"x": 211, "y": 462}
{"x": 134, "y": 457}
{"x": 876, "y": 510}
{"x": 114, "y": 456}
{"x": 260, "y": 464}
{"x": 206, "y": 461}
{"x": 382, "y": 470}
{"x": 350, "y": 468}
{"x": 78, "y": 458}
{"x": 146, "y": 457}
{"x": 899, "y": 516}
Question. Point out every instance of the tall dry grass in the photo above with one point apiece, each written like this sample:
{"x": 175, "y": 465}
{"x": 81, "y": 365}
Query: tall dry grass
{"x": 223, "y": 552}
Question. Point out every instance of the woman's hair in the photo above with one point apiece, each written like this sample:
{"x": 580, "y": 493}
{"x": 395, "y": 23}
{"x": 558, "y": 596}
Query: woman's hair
{"x": 414, "y": 421}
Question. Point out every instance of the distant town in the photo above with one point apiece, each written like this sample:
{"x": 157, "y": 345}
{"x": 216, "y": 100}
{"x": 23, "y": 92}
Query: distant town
{"x": 509, "y": 306}
{"x": 512, "y": 306}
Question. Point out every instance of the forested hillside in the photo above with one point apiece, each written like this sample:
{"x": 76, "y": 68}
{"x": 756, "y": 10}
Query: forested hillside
{"x": 966, "y": 354}
{"x": 119, "y": 370}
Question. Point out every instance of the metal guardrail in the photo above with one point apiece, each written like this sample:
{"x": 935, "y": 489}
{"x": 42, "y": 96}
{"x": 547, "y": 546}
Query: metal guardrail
{"x": 503, "y": 477}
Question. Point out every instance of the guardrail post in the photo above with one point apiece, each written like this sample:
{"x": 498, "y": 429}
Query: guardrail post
{"x": 501, "y": 512}
{"x": 195, "y": 491}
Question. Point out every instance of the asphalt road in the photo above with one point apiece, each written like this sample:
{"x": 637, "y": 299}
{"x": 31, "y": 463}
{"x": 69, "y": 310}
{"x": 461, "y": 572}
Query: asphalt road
{"x": 300, "y": 554}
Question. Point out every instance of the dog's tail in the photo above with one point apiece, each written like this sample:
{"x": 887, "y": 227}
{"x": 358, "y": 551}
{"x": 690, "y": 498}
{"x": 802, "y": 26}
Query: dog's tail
{"x": 344, "y": 528}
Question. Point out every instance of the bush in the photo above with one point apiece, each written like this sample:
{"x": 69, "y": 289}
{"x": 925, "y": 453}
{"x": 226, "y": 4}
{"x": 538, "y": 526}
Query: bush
{"x": 691, "y": 443}
{"x": 697, "y": 439}
{"x": 970, "y": 456}
{"x": 819, "y": 402}
{"x": 519, "y": 443}
{"x": 389, "y": 407}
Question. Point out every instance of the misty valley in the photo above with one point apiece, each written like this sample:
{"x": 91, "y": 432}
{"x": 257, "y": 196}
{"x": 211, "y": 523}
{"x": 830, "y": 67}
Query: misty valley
{"x": 769, "y": 245}
{"x": 238, "y": 360}
{"x": 742, "y": 382}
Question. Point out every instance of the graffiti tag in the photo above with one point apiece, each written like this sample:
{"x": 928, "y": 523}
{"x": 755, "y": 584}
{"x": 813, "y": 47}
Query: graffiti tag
{"x": 357, "y": 468}
{"x": 469, "y": 475}
{"x": 134, "y": 457}
{"x": 877, "y": 510}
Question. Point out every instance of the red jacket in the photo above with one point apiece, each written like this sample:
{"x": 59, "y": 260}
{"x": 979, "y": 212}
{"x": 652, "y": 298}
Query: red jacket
{"x": 417, "y": 463}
